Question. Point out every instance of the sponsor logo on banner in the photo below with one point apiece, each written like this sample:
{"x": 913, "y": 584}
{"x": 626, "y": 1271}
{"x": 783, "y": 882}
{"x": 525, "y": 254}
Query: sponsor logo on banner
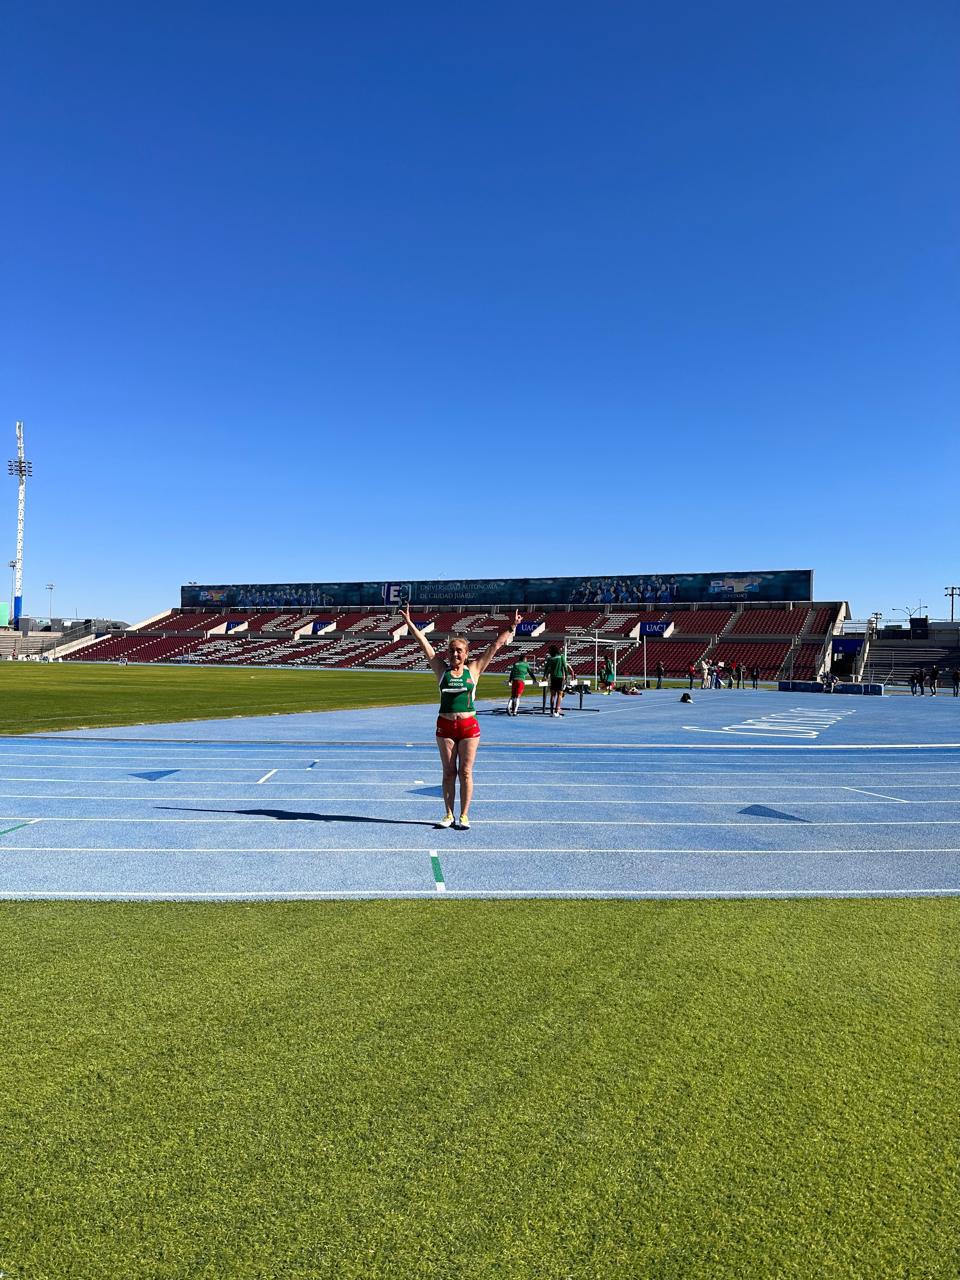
{"x": 395, "y": 593}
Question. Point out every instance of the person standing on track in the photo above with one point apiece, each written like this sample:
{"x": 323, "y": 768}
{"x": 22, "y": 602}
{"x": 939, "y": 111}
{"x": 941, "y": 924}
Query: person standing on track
{"x": 520, "y": 675}
{"x": 556, "y": 669}
{"x": 608, "y": 677}
{"x": 458, "y": 733}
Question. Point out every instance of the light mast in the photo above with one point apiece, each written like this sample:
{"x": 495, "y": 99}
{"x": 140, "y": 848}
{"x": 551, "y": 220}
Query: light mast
{"x": 20, "y": 468}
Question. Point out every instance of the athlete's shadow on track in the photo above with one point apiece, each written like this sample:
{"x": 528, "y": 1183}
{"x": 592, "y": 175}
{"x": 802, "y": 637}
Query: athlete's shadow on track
{"x": 290, "y": 815}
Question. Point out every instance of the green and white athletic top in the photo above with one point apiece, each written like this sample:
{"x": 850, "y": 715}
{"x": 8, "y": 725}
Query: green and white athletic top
{"x": 456, "y": 692}
{"x": 521, "y": 671}
{"x": 556, "y": 667}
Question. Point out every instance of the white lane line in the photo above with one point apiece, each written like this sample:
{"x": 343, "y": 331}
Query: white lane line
{"x": 492, "y": 761}
{"x": 307, "y": 894}
{"x": 881, "y": 797}
{"x": 544, "y": 770}
{"x": 387, "y": 773}
{"x": 225, "y": 818}
{"x": 316, "y": 798}
{"x": 353, "y": 850}
{"x": 128, "y": 766}
{"x": 534, "y": 783}
{"x": 265, "y": 778}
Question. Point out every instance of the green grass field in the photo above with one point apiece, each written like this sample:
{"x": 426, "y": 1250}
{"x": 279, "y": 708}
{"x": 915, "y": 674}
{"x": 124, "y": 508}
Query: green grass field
{"x": 480, "y": 1089}
{"x": 38, "y": 697}
{"x": 465, "y": 1089}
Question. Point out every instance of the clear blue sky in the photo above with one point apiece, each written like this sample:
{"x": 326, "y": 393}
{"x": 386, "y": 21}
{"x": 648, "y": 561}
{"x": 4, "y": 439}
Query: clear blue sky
{"x": 303, "y": 291}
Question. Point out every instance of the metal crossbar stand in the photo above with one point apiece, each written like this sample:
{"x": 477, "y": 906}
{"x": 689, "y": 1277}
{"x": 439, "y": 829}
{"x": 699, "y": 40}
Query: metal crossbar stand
{"x": 581, "y": 686}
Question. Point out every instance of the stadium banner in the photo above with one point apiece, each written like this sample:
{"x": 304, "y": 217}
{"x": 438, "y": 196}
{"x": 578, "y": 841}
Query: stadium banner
{"x": 626, "y": 589}
{"x": 4, "y": 614}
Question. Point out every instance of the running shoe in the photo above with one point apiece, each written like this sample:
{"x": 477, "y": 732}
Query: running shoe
{"x": 464, "y": 823}
{"x": 446, "y": 820}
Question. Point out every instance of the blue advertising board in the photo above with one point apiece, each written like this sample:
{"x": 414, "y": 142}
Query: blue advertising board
{"x": 846, "y": 644}
{"x": 625, "y": 589}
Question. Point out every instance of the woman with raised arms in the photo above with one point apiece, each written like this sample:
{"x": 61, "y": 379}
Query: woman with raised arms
{"x": 458, "y": 733}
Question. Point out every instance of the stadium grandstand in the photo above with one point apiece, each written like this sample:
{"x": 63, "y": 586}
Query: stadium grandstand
{"x": 766, "y": 620}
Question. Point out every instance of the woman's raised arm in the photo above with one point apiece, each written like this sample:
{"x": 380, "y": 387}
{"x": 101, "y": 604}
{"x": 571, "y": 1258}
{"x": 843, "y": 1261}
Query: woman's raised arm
{"x": 436, "y": 664}
{"x": 506, "y": 634}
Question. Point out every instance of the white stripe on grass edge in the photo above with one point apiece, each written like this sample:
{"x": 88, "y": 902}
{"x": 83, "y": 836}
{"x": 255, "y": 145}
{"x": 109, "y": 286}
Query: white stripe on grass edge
{"x": 437, "y": 872}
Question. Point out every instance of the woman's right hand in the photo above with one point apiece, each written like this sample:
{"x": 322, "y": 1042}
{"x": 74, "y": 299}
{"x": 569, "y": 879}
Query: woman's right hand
{"x": 405, "y": 613}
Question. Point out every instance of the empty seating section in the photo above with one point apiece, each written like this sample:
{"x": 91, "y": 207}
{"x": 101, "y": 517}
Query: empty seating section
{"x": 699, "y": 622}
{"x": 805, "y": 662}
{"x": 451, "y": 623}
{"x": 893, "y": 661}
{"x": 676, "y": 656}
{"x": 267, "y": 620}
{"x": 159, "y": 624}
{"x": 768, "y": 655}
{"x": 109, "y": 649}
{"x": 334, "y": 651}
{"x": 183, "y": 622}
{"x": 404, "y": 655}
{"x": 823, "y": 621}
{"x": 135, "y": 647}
{"x": 358, "y": 621}
{"x": 770, "y": 622}
{"x": 361, "y": 638}
{"x": 240, "y": 651}
{"x": 559, "y": 621}
{"x": 289, "y": 622}
{"x": 621, "y": 624}
{"x": 235, "y": 618}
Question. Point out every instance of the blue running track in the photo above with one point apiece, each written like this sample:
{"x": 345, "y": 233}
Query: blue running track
{"x": 740, "y": 794}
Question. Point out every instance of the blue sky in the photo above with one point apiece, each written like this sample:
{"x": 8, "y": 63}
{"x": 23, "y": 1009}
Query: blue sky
{"x": 308, "y": 291}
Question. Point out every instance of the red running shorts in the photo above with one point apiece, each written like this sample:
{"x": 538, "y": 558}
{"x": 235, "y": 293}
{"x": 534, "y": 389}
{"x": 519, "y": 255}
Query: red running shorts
{"x": 458, "y": 727}
{"x": 516, "y": 689}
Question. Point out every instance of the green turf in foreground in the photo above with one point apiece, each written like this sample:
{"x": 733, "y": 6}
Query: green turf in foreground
{"x": 38, "y": 697}
{"x": 449, "y": 1089}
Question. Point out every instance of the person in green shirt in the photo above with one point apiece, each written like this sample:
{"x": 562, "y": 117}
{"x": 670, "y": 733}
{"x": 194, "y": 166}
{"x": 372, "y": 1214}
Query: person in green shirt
{"x": 557, "y": 670}
{"x": 458, "y": 732}
{"x": 608, "y": 677}
{"x": 520, "y": 675}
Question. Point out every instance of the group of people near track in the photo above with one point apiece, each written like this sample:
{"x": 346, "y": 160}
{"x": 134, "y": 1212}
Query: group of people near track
{"x": 556, "y": 671}
{"x": 718, "y": 675}
{"x": 458, "y": 731}
{"x": 931, "y": 679}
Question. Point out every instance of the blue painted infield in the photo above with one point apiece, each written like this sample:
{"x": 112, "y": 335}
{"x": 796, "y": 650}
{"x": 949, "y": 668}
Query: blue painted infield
{"x": 740, "y": 794}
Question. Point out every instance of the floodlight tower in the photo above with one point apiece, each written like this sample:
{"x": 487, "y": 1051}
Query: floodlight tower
{"x": 21, "y": 469}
